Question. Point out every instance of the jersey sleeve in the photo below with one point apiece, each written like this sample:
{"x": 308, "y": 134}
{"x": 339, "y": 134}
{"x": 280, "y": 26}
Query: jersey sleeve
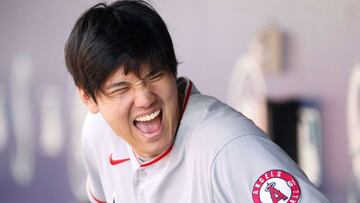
{"x": 254, "y": 169}
{"x": 94, "y": 186}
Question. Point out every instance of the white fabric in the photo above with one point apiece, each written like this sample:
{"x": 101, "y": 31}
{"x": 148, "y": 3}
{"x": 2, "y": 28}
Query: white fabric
{"x": 218, "y": 156}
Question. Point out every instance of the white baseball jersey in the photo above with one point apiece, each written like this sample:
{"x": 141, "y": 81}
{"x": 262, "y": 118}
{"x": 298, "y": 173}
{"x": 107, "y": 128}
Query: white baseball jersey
{"x": 218, "y": 156}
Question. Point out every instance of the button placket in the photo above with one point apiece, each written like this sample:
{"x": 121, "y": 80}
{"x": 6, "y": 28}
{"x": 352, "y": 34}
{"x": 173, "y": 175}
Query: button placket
{"x": 139, "y": 181}
{"x": 141, "y": 174}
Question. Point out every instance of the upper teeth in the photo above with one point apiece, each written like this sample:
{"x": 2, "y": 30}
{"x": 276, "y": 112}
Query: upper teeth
{"x": 148, "y": 117}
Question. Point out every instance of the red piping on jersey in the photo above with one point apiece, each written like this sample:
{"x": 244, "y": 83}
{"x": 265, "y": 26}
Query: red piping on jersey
{"x": 97, "y": 200}
{"x": 158, "y": 158}
{"x": 186, "y": 99}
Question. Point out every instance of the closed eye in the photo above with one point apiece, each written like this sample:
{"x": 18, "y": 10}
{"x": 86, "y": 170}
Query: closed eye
{"x": 155, "y": 77}
{"x": 120, "y": 87}
{"x": 119, "y": 90}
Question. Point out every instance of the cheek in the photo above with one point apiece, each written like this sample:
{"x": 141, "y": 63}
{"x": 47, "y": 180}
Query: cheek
{"x": 116, "y": 113}
{"x": 170, "y": 98}
{"x": 170, "y": 101}
{"x": 169, "y": 90}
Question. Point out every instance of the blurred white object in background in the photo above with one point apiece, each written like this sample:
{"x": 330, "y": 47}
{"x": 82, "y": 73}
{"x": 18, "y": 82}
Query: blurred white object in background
{"x": 267, "y": 47}
{"x": 51, "y": 134}
{"x": 22, "y": 156}
{"x": 353, "y": 122}
{"x": 247, "y": 91}
{"x": 247, "y": 87}
{"x": 309, "y": 143}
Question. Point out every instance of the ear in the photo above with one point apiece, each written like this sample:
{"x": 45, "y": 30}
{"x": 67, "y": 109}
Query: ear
{"x": 88, "y": 101}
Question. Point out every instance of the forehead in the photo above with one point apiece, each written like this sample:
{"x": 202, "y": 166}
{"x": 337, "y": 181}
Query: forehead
{"x": 121, "y": 75}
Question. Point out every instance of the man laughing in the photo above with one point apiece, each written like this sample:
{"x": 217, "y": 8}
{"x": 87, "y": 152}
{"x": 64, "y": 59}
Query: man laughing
{"x": 151, "y": 136}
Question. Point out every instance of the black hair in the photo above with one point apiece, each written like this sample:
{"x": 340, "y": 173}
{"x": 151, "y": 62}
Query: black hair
{"x": 126, "y": 34}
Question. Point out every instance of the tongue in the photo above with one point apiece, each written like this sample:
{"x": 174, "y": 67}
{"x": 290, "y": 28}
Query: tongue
{"x": 149, "y": 127}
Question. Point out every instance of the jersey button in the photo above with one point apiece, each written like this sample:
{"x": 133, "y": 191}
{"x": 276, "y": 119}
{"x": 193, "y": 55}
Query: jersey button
{"x": 141, "y": 174}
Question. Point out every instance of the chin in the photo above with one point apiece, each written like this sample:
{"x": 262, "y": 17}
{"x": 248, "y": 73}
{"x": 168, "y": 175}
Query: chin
{"x": 156, "y": 149}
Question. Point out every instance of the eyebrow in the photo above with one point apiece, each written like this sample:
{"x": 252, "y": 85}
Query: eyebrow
{"x": 124, "y": 83}
{"x": 117, "y": 84}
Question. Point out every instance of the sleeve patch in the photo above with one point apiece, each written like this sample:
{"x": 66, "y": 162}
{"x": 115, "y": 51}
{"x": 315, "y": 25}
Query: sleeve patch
{"x": 276, "y": 186}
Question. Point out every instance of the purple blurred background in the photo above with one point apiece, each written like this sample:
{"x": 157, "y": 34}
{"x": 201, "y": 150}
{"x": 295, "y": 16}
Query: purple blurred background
{"x": 40, "y": 115}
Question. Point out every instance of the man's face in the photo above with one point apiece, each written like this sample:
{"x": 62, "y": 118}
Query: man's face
{"x": 143, "y": 111}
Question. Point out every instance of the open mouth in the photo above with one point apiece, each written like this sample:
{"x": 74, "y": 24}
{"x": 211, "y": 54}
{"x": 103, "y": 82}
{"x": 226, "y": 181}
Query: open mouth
{"x": 149, "y": 125}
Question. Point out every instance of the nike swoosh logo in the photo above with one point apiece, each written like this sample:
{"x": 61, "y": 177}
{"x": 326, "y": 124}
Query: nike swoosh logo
{"x": 118, "y": 161}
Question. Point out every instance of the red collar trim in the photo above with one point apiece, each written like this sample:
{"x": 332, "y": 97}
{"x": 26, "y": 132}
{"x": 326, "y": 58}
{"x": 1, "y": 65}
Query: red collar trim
{"x": 156, "y": 159}
{"x": 96, "y": 199}
{"x": 186, "y": 100}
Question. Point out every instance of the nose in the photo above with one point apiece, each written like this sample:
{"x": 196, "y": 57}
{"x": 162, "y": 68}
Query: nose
{"x": 144, "y": 98}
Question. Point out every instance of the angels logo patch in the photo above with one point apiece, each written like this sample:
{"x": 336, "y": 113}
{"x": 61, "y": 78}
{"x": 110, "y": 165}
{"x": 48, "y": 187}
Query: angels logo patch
{"x": 276, "y": 186}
